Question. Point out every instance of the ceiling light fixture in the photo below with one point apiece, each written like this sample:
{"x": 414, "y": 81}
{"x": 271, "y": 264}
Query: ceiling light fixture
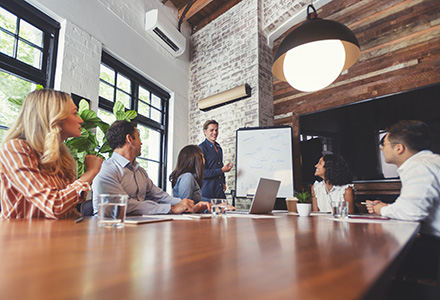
{"x": 313, "y": 55}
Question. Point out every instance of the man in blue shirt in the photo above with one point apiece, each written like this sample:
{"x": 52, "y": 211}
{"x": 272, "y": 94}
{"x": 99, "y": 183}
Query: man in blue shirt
{"x": 121, "y": 174}
{"x": 214, "y": 184}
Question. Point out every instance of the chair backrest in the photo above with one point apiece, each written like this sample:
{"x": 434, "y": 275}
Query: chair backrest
{"x": 86, "y": 208}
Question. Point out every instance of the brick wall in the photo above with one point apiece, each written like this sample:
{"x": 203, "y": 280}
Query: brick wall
{"x": 275, "y": 13}
{"x": 231, "y": 51}
{"x": 78, "y": 63}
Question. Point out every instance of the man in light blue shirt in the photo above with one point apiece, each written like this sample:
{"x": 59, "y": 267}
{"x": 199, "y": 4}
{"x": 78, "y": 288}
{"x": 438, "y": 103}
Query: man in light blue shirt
{"x": 121, "y": 174}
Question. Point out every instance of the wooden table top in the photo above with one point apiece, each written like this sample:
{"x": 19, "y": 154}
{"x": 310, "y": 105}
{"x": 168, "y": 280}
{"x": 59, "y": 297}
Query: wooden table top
{"x": 289, "y": 257}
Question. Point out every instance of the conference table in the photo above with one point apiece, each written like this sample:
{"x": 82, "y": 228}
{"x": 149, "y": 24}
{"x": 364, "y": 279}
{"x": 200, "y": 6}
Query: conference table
{"x": 279, "y": 257}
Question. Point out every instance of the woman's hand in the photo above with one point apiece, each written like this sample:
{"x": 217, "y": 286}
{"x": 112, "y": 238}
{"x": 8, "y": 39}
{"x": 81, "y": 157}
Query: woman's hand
{"x": 92, "y": 164}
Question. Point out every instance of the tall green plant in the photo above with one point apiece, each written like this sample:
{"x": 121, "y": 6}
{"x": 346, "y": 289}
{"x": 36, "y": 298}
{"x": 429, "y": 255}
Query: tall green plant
{"x": 88, "y": 143}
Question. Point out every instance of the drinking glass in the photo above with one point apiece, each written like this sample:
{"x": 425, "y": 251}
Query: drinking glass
{"x": 112, "y": 210}
{"x": 339, "y": 209}
{"x": 219, "y": 207}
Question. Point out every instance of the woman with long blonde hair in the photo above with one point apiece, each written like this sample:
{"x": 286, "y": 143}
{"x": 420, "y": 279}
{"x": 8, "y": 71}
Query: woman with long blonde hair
{"x": 37, "y": 171}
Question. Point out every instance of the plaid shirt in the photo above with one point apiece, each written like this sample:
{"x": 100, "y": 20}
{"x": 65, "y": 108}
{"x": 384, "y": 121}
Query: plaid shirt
{"x": 28, "y": 192}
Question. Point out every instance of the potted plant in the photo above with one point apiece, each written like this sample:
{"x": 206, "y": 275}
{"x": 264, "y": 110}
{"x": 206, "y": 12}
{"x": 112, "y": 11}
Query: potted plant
{"x": 87, "y": 143}
{"x": 304, "y": 205}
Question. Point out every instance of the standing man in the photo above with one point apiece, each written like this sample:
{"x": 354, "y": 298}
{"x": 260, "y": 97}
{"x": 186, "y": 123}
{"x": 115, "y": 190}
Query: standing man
{"x": 214, "y": 184}
{"x": 121, "y": 174}
{"x": 406, "y": 146}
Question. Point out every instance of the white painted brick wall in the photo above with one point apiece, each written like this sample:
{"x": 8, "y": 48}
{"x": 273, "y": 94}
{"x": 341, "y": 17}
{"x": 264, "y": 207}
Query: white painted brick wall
{"x": 78, "y": 63}
{"x": 231, "y": 51}
{"x": 276, "y": 12}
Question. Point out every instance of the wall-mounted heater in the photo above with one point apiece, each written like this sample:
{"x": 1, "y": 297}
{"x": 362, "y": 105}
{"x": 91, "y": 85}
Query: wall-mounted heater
{"x": 240, "y": 92}
{"x": 164, "y": 32}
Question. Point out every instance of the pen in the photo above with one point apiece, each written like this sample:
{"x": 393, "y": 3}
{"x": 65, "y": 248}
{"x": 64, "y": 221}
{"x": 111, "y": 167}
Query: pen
{"x": 79, "y": 220}
{"x": 366, "y": 203}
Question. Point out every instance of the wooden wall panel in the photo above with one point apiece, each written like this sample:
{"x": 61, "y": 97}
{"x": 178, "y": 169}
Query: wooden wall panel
{"x": 400, "y": 51}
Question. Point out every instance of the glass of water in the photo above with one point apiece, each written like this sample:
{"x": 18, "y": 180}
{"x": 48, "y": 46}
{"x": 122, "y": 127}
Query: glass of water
{"x": 112, "y": 210}
{"x": 339, "y": 209}
{"x": 219, "y": 207}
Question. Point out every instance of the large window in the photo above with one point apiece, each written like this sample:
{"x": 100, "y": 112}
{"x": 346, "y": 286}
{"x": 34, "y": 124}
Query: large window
{"x": 118, "y": 82}
{"x": 28, "y": 45}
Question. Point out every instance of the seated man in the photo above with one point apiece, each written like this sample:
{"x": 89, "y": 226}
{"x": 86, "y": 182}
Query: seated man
{"x": 406, "y": 145}
{"x": 121, "y": 174}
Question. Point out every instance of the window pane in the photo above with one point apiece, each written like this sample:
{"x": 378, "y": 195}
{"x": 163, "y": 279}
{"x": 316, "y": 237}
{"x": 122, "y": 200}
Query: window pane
{"x": 124, "y": 98}
{"x": 156, "y": 115}
{"x": 12, "y": 87}
{"x": 107, "y": 74}
{"x": 28, "y": 54}
{"x": 152, "y": 169}
{"x": 7, "y": 44}
{"x": 144, "y": 95}
{"x": 124, "y": 84}
{"x": 107, "y": 117}
{"x": 31, "y": 33}
{"x": 8, "y": 21}
{"x": 156, "y": 101}
{"x": 143, "y": 109}
{"x": 106, "y": 91}
{"x": 150, "y": 143}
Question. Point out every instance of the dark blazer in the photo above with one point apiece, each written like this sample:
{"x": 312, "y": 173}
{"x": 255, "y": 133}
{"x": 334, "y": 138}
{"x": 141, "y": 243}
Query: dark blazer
{"x": 213, "y": 177}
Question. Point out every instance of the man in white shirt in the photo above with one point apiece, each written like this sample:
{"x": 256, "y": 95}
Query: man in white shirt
{"x": 406, "y": 145}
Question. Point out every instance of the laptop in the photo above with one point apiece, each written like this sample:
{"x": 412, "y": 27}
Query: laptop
{"x": 264, "y": 198}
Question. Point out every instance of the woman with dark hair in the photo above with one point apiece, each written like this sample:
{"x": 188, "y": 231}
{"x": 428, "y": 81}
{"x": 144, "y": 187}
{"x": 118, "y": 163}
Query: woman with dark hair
{"x": 335, "y": 185}
{"x": 187, "y": 177}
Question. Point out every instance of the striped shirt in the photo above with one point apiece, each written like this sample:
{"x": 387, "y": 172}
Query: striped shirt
{"x": 28, "y": 192}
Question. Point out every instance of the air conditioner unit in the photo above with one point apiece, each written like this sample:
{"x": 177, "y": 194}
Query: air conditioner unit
{"x": 164, "y": 32}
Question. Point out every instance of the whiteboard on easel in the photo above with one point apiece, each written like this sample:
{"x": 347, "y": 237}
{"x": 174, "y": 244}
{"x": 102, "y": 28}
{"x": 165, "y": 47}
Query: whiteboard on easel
{"x": 264, "y": 152}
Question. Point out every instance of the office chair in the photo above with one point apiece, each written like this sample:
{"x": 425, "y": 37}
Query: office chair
{"x": 86, "y": 208}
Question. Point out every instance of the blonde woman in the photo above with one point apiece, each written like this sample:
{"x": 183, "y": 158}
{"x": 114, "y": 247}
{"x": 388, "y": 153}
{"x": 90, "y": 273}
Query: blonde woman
{"x": 37, "y": 171}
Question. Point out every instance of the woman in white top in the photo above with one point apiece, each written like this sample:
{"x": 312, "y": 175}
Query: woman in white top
{"x": 335, "y": 186}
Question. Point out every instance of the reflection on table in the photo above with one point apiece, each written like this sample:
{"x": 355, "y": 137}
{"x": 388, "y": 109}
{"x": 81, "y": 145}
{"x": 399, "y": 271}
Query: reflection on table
{"x": 289, "y": 257}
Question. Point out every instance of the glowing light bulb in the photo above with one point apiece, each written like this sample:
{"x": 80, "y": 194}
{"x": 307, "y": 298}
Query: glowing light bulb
{"x": 313, "y": 66}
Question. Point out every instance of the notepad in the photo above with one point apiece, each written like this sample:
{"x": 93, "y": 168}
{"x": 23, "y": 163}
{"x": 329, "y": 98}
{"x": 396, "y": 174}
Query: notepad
{"x": 368, "y": 217}
{"x": 143, "y": 220}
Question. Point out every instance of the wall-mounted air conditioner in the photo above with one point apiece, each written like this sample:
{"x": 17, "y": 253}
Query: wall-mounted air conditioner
{"x": 164, "y": 32}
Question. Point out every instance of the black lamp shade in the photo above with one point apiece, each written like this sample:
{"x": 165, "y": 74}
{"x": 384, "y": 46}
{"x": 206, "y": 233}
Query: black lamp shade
{"x": 313, "y": 30}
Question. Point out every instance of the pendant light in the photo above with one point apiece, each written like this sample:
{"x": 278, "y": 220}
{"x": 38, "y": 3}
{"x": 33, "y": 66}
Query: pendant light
{"x": 313, "y": 55}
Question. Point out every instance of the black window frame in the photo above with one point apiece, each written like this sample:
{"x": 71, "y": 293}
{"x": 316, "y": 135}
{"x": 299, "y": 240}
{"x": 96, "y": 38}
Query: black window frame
{"x": 137, "y": 81}
{"x": 50, "y": 28}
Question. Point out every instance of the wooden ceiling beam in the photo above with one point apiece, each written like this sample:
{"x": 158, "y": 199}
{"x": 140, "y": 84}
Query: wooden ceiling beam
{"x": 221, "y": 10}
{"x": 197, "y": 6}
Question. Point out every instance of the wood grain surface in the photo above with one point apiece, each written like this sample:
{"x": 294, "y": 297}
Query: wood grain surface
{"x": 289, "y": 257}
